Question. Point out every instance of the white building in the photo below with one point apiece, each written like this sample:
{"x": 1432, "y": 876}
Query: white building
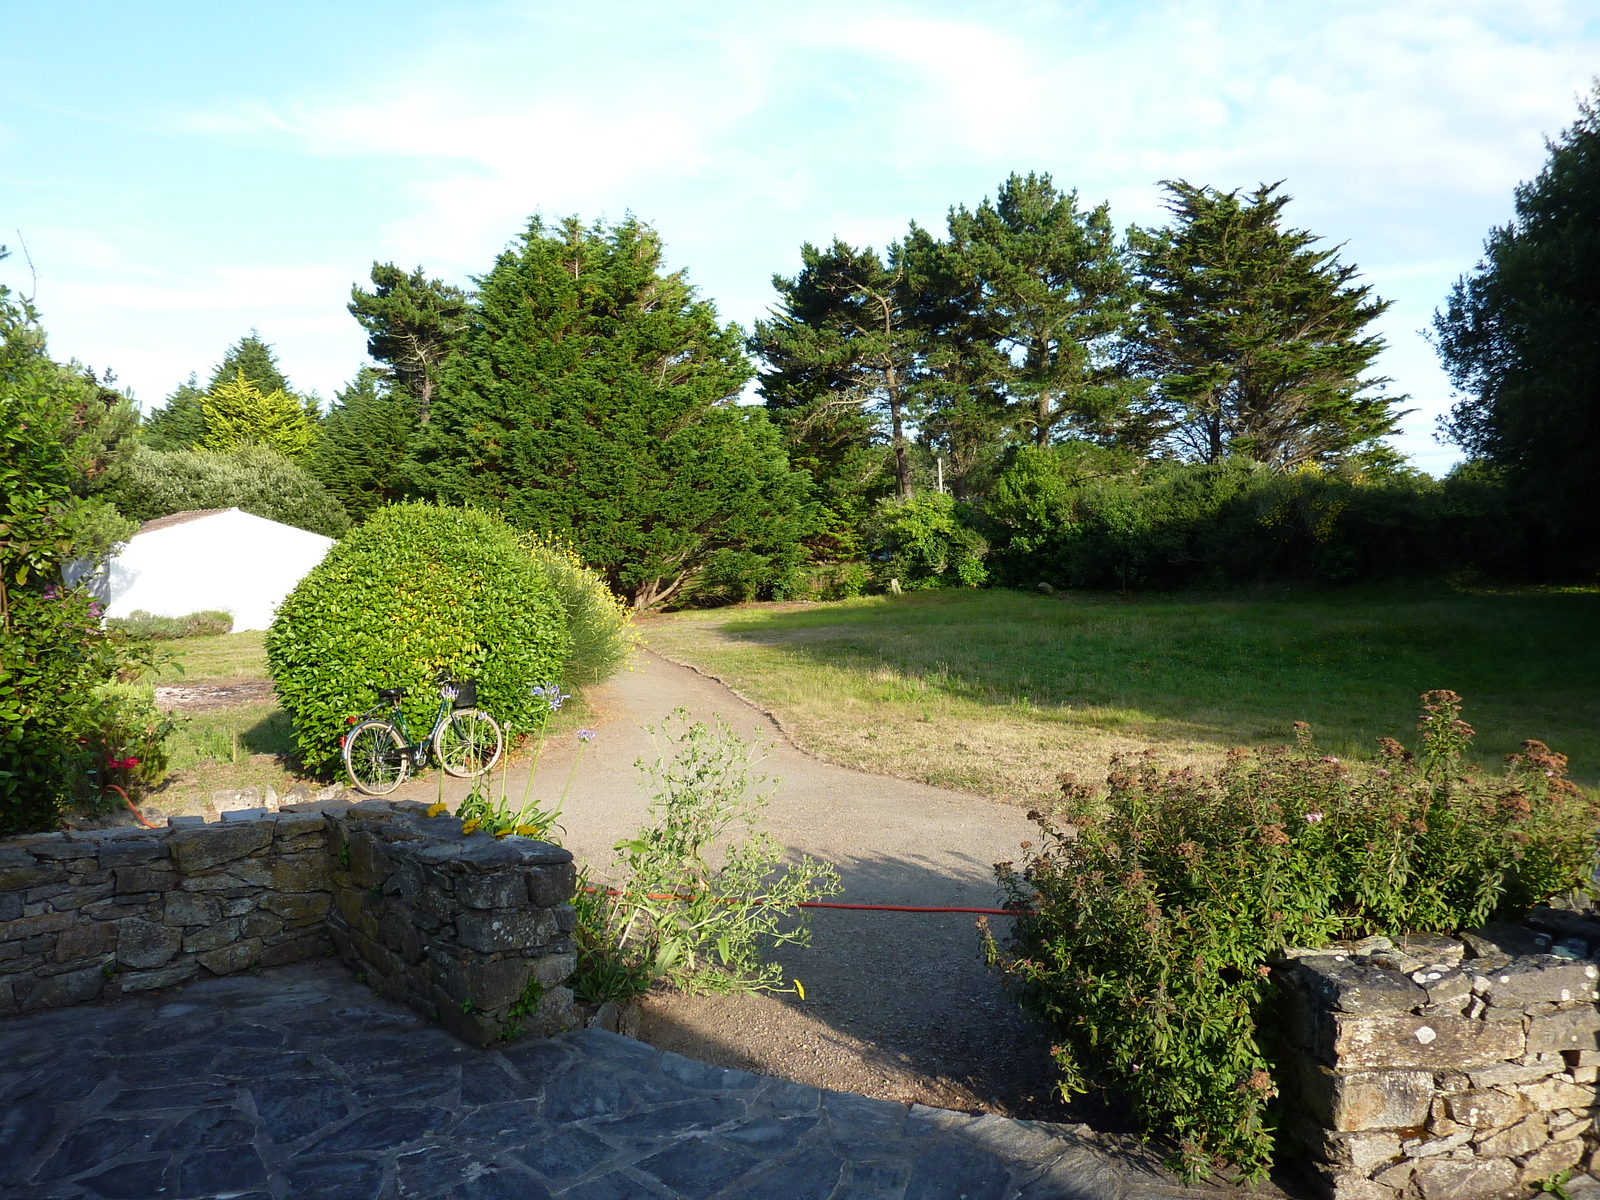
{"x": 212, "y": 559}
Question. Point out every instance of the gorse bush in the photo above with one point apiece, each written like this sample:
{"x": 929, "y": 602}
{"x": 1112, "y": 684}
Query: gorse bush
{"x": 149, "y": 627}
{"x": 599, "y": 623}
{"x": 414, "y": 589}
{"x": 1151, "y": 913}
{"x": 700, "y": 895}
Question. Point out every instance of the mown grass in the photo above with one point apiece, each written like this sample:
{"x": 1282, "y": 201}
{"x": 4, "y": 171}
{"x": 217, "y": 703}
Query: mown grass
{"x": 212, "y": 659}
{"x": 996, "y": 691}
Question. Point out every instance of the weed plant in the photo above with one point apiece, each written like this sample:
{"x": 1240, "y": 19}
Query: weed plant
{"x": 1149, "y": 916}
{"x": 701, "y": 895}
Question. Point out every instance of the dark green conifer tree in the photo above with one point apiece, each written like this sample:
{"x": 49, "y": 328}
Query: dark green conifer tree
{"x": 413, "y": 325}
{"x": 362, "y": 444}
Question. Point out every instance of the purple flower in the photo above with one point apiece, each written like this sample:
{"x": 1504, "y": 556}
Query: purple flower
{"x": 585, "y": 735}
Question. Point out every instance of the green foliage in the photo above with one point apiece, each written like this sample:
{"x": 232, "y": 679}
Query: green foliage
{"x": 1149, "y": 916}
{"x": 1254, "y": 338}
{"x": 181, "y": 423}
{"x": 148, "y": 627}
{"x": 926, "y": 542}
{"x": 599, "y": 624}
{"x": 594, "y": 404}
{"x": 126, "y": 742}
{"x": 1517, "y": 335}
{"x": 238, "y": 414}
{"x": 154, "y": 483}
{"x": 413, "y": 324}
{"x": 362, "y": 443}
{"x": 700, "y": 895}
{"x": 414, "y": 589}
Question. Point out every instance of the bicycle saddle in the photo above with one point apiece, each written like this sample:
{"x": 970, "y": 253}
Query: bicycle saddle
{"x": 391, "y": 694}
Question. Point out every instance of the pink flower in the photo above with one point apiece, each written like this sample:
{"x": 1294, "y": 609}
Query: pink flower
{"x": 1313, "y": 817}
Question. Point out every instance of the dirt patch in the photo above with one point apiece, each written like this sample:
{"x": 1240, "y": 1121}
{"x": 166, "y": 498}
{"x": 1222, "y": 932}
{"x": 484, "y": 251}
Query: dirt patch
{"x": 204, "y": 697}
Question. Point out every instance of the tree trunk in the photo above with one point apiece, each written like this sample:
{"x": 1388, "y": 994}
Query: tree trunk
{"x": 902, "y": 469}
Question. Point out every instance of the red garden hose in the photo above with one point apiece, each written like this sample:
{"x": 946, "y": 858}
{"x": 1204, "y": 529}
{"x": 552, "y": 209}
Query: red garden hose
{"x": 916, "y": 908}
{"x": 137, "y": 815}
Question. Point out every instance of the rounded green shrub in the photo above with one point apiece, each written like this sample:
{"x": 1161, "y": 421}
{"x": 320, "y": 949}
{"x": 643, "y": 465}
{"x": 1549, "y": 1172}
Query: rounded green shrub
{"x": 416, "y": 588}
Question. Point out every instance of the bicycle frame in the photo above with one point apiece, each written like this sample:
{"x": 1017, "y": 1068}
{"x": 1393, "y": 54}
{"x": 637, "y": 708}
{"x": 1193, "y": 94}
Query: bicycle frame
{"x": 418, "y": 751}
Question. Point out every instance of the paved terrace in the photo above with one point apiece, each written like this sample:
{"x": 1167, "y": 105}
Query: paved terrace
{"x": 300, "y": 1082}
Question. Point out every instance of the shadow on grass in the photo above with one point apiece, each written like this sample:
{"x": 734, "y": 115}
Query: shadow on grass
{"x": 1232, "y": 668}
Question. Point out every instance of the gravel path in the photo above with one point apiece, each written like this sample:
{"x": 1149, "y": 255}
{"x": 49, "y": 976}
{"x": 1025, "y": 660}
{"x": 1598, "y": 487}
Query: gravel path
{"x": 899, "y": 1005}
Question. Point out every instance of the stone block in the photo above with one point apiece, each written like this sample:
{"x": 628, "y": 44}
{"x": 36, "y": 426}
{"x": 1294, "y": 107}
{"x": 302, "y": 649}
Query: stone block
{"x": 1361, "y": 1100}
{"x": 196, "y": 850}
{"x": 212, "y": 937}
{"x": 33, "y": 926}
{"x": 243, "y": 814}
{"x": 74, "y": 898}
{"x": 260, "y": 925}
{"x": 132, "y": 851}
{"x": 489, "y": 930}
{"x": 1357, "y": 985}
{"x": 86, "y": 941}
{"x": 1487, "y": 1109}
{"x": 1540, "y": 978}
{"x": 1350, "y": 1185}
{"x": 311, "y": 872}
{"x": 1549, "y": 1095}
{"x": 143, "y": 944}
{"x": 216, "y": 882}
{"x": 72, "y": 987}
{"x": 292, "y": 826}
{"x": 1522, "y": 1138}
{"x": 1501, "y": 940}
{"x": 10, "y": 906}
{"x": 1426, "y": 1043}
{"x": 237, "y": 906}
{"x": 496, "y": 889}
{"x": 1356, "y": 1151}
{"x": 1552, "y": 1160}
{"x": 313, "y": 945}
{"x": 552, "y": 885}
{"x": 1573, "y": 1029}
{"x": 145, "y": 981}
{"x": 297, "y": 908}
{"x": 63, "y": 849}
{"x": 1433, "y": 948}
{"x": 232, "y": 958}
{"x": 183, "y": 908}
{"x": 1508, "y": 1074}
{"x": 369, "y": 865}
{"x": 1431, "y": 1147}
{"x": 1453, "y": 1179}
{"x": 487, "y": 985}
{"x": 348, "y": 902}
{"x": 135, "y": 880}
{"x": 553, "y": 969}
{"x": 31, "y": 875}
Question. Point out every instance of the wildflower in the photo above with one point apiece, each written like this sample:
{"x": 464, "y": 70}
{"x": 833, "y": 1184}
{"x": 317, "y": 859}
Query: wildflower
{"x": 435, "y": 809}
{"x": 585, "y": 735}
{"x": 1313, "y": 817}
{"x": 527, "y": 831}
{"x": 471, "y": 826}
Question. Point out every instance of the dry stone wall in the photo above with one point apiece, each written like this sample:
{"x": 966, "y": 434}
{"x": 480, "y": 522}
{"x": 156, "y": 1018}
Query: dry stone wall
{"x": 471, "y": 931}
{"x": 1441, "y": 1069}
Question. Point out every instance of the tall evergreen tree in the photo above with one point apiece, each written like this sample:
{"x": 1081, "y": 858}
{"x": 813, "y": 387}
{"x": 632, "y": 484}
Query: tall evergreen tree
{"x": 1048, "y": 283}
{"x": 181, "y": 425}
{"x": 413, "y": 324}
{"x": 1255, "y": 339}
{"x": 238, "y": 413}
{"x": 595, "y": 401}
{"x": 362, "y": 444}
{"x": 841, "y": 345}
{"x": 1521, "y": 337}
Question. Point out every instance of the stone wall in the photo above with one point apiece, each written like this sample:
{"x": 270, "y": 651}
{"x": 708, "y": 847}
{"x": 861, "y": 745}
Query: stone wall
{"x": 100, "y": 914}
{"x": 1443, "y": 1069}
{"x": 470, "y": 931}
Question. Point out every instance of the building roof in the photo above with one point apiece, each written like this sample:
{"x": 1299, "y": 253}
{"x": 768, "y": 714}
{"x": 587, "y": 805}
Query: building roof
{"x": 182, "y": 518}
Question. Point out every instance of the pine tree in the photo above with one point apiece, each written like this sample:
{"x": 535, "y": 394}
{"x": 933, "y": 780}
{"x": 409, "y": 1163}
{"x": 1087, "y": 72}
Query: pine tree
{"x": 595, "y": 402}
{"x": 179, "y": 424}
{"x": 1255, "y": 339}
{"x": 1521, "y": 337}
{"x": 362, "y": 444}
{"x": 413, "y": 324}
{"x": 238, "y": 414}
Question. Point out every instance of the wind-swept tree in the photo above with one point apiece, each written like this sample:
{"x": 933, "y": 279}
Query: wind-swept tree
{"x": 413, "y": 324}
{"x": 596, "y": 402}
{"x": 841, "y": 350}
{"x": 1049, "y": 284}
{"x": 1521, "y": 337}
{"x": 1256, "y": 340}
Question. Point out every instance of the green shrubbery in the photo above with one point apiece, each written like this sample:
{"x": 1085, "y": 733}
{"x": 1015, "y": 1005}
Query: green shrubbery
{"x": 927, "y": 542}
{"x": 126, "y": 740}
{"x": 414, "y": 589}
{"x": 1151, "y": 913}
{"x": 598, "y": 622}
{"x": 259, "y": 480}
{"x": 151, "y": 628}
{"x": 674, "y": 913}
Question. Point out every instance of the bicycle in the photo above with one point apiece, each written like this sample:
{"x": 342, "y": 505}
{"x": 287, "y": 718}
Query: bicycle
{"x": 378, "y": 754}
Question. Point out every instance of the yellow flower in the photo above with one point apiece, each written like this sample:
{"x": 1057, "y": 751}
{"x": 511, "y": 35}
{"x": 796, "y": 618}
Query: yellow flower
{"x": 435, "y": 809}
{"x": 527, "y": 831}
{"x": 470, "y": 826}
{"x": 800, "y": 989}
{"x": 500, "y": 833}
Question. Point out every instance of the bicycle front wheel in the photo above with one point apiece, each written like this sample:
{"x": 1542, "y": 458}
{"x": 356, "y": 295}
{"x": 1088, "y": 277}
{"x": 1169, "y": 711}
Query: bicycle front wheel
{"x": 469, "y": 743}
{"x": 375, "y": 757}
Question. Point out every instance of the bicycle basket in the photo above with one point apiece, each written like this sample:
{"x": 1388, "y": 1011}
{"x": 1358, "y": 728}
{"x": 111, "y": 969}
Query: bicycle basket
{"x": 466, "y": 693}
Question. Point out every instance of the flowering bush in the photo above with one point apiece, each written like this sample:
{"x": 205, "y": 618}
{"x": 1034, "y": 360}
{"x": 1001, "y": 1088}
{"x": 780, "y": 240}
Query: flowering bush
{"x": 126, "y": 739}
{"x": 1149, "y": 913}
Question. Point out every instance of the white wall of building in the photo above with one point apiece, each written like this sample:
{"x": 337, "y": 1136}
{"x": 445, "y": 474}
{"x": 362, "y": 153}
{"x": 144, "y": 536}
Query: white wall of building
{"x": 230, "y": 561}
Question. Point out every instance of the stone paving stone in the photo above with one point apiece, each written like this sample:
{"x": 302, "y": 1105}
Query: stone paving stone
{"x": 301, "y": 1083}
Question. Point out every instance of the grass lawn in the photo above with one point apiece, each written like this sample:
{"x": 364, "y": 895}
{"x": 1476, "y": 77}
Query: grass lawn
{"x": 213, "y": 659}
{"x": 996, "y": 691}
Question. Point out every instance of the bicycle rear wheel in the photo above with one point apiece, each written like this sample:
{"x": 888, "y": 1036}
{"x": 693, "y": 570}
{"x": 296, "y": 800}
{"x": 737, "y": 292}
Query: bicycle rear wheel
{"x": 375, "y": 757}
{"x": 469, "y": 743}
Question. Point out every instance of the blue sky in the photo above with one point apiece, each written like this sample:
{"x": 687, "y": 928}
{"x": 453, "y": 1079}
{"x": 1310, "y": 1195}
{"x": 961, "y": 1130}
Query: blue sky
{"x": 181, "y": 173}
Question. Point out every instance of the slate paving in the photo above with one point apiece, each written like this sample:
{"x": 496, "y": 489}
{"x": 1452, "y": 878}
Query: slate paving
{"x": 300, "y": 1082}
